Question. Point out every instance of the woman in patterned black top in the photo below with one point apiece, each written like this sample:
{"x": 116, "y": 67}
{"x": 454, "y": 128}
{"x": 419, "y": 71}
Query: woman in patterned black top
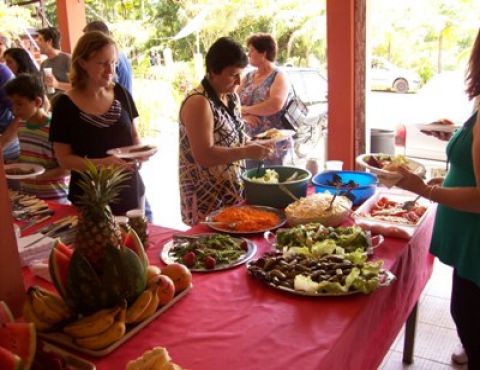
{"x": 94, "y": 116}
{"x": 213, "y": 144}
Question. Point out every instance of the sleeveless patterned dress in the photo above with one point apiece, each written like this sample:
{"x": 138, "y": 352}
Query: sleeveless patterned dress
{"x": 253, "y": 94}
{"x": 204, "y": 190}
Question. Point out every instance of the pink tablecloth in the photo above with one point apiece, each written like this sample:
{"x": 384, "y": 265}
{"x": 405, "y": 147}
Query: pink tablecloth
{"x": 230, "y": 321}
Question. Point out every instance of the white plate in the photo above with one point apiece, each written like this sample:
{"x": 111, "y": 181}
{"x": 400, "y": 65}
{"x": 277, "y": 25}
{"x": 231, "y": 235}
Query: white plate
{"x": 37, "y": 170}
{"x": 73, "y": 362}
{"x": 126, "y": 151}
{"x": 168, "y": 258}
{"x": 283, "y": 135}
{"x": 67, "y": 341}
{"x": 437, "y": 127}
{"x": 416, "y": 167}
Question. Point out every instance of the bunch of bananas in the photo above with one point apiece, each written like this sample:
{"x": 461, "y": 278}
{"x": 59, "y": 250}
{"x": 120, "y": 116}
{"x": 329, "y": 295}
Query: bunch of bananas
{"x": 144, "y": 306}
{"x": 100, "y": 329}
{"x": 154, "y": 359}
{"x": 45, "y": 309}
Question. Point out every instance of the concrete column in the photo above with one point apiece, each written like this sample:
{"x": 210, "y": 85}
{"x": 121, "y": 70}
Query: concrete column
{"x": 346, "y": 79}
{"x": 71, "y": 21}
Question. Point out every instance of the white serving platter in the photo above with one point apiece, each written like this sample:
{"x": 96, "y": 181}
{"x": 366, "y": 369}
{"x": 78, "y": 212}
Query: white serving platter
{"x": 133, "y": 151}
{"x": 362, "y": 218}
{"x": 36, "y": 168}
{"x": 66, "y": 341}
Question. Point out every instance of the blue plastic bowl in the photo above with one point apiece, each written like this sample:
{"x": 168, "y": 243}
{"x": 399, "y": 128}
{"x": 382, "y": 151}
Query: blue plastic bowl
{"x": 367, "y": 184}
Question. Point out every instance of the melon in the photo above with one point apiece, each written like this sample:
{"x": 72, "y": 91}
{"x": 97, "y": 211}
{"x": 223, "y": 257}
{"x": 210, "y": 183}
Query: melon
{"x": 20, "y": 339}
{"x": 65, "y": 249}
{"x": 5, "y": 313}
{"x": 58, "y": 264}
{"x": 133, "y": 242}
{"x": 9, "y": 360}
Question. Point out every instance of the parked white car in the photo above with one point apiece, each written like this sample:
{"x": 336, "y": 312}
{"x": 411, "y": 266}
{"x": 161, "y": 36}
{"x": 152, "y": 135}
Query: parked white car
{"x": 386, "y": 76}
{"x": 443, "y": 97}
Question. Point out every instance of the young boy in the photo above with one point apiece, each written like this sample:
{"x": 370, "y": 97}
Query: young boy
{"x": 31, "y": 125}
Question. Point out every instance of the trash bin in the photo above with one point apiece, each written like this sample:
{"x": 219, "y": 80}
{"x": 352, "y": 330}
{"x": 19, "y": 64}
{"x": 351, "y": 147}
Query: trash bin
{"x": 382, "y": 141}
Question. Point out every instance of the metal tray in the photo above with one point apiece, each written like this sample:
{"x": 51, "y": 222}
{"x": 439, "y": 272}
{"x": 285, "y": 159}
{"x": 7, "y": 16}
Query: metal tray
{"x": 167, "y": 258}
{"x": 66, "y": 341}
{"x": 217, "y": 227}
{"x": 386, "y": 278}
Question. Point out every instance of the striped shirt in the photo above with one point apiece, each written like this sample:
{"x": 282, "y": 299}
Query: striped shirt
{"x": 35, "y": 148}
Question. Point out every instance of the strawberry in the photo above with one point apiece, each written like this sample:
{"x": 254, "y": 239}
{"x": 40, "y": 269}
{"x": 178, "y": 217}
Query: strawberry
{"x": 209, "y": 262}
{"x": 189, "y": 259}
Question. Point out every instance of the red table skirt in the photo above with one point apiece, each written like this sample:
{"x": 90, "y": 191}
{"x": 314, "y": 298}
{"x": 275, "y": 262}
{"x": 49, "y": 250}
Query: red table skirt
{"x": 230, "y": 321}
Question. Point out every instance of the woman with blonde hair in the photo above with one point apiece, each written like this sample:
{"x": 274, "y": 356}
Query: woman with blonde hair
{"x": 94, "y": 116}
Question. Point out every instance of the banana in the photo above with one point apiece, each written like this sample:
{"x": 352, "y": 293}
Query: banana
{"x": 111, "y": 335}
{"x": 30, "y": 316}
{"x": 152, "y": 306}
{"x": 93, "y": 324}
{"x": 139, "y": 306}
{"x": 54, "y": 302}
{"x": 41, "y": 309}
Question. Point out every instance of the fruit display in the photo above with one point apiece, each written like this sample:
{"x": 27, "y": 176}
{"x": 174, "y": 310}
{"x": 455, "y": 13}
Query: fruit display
{"x": 102, "y": 279}
{"x": 320, "y": 276}
{"x": 155, "y": 359}
{"x": 207, "y": 251}
{"x": 105, "y": 267}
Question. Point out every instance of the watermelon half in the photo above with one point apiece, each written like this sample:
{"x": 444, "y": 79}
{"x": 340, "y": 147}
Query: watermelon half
{"x": 20, "y": 339}
{"x": 5, "y": 313}
{"x": 9, "y": 360}
{"x": 58, "y": 264}
{"x": 133, "y": 242}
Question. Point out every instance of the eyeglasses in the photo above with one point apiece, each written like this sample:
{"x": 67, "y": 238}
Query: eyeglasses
{"x": 108, "y": 64}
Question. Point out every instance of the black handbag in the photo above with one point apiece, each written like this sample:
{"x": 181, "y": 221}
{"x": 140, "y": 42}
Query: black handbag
{"x": 295, "y": 113}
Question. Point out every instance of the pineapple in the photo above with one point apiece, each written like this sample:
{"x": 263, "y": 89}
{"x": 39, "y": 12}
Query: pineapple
{"x": 97, "y": 229}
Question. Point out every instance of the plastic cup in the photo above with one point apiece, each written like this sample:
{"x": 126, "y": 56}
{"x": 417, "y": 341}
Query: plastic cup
{"x": 49, "y": 72}
{"x": 334, "y": 165}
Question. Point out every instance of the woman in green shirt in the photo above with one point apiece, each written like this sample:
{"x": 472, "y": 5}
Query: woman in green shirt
{"x": 456, "y": 233}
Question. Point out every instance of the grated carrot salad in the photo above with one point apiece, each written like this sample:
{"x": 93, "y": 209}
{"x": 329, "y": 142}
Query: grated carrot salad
{"x": 247, "y": 218}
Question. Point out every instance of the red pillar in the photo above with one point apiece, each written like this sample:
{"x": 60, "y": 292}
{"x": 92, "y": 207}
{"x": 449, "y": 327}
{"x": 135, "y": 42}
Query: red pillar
{"x": 71, "y": 21}
{"x": 12, "y": 289}
{"x": 341, "y": 81}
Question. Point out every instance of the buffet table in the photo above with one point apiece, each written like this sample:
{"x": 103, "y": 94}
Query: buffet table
{"x": 230, "y": 321}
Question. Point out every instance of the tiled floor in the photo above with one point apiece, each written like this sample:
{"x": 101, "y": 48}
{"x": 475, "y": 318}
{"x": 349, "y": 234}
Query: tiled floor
{"x": 436, "y": 337}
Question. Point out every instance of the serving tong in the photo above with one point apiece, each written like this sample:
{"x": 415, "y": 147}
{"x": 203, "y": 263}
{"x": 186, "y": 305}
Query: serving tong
{"x": 409, "y": 204}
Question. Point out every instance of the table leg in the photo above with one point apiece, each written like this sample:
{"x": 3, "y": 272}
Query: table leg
{"x": 409, "y": 340}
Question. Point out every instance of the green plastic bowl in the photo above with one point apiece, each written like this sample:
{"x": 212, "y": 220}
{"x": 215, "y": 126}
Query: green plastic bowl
{"x": 272, "y": 195}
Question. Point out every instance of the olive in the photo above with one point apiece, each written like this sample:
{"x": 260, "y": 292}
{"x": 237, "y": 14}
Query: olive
{"x": 269, "y": 264}
{"x": 316, "y": 276}
{"x": 277, "y": 274}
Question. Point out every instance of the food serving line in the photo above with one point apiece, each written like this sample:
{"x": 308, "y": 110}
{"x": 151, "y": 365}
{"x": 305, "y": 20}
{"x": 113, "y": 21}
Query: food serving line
{"x": 229, "y": 320}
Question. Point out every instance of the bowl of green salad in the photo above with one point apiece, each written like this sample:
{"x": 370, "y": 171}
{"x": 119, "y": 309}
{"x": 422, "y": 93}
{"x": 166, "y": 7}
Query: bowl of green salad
{"x": 275, "y": 186}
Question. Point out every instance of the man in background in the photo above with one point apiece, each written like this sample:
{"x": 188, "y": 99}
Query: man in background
{"x": 57, "y": 62}
{"x": 123, "y": 70}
